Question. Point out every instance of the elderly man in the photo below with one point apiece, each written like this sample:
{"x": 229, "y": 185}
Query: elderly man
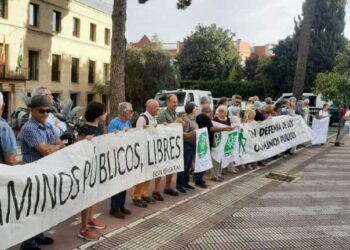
{"x": 122, "y": 122}
{"x": 8, "y": 146}
{"x": 169, "y": 116}
{"x": 38, "y": 139}
{"x": 59, "y": 126}
{"x": 141, "y": 192}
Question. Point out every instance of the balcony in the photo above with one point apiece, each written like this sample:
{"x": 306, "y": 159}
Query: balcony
{"x": 12, "y": 74}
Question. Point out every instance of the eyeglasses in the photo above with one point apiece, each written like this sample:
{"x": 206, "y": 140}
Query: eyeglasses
{"x": 221, "y": 111}
{"x": 42, "y": 111}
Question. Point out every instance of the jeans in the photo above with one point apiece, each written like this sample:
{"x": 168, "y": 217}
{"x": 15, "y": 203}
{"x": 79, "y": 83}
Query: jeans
{"x": 184, "y": 177}
{"x": 118, "y": 201}
{"x": 32, "y": 241}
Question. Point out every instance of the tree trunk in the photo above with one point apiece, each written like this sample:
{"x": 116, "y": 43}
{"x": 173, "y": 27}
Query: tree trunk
{"x": 303, "y": 48}
{"x": 117, "y": 83}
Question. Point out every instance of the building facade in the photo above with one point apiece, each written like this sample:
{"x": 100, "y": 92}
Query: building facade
{"x": 64, "y": 45}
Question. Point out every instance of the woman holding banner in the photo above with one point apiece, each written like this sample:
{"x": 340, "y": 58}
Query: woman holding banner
{"x": 95, "y": 116}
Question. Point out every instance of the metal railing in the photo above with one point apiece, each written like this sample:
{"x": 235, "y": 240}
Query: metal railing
{"x": 8, "y": 73}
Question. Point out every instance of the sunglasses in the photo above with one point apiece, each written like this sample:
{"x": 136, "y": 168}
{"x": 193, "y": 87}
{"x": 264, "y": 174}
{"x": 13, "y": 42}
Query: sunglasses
{"x": 42, "y": 111}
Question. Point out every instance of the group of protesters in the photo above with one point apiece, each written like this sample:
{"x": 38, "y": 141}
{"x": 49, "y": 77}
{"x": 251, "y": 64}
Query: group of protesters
{"x": 40, "y": 137}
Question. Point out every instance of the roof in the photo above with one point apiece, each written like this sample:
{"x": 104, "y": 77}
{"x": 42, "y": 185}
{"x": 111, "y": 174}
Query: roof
{"x": 105, "y": 6}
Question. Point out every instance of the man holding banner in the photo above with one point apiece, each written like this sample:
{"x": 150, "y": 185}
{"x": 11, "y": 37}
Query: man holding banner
{"x": 120, "y": 123}
{"x": 38, "y": 139}
{"x": 169, "y": 116}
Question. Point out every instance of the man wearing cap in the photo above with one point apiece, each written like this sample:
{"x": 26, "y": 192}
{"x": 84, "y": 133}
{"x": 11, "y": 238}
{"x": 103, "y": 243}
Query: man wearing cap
{"x": 38, "y": 139}
{"x": 8, "y": 146}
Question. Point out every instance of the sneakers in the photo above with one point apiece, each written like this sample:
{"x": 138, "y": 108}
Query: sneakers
{"x": 117, "y": 214}
{"x": 88, "y": 235}
{"x": 201, "y": 184}
{"x": 157, "y": 196}
{"x": 188, "y": 186}
{"x": 181, "y": 190}
{"x": 149, "y": 199}
{"x": 171, "y": 192}
{"x": 139, "y": 203}
{"x": 217, "y": 179}
{"x": 96, "y": 224}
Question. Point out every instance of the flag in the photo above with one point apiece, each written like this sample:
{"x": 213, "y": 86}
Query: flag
{"x": 2, "y": 58}
{"x": 20, "y": 57}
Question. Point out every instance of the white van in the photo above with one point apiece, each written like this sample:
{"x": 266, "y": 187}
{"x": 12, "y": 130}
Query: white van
{"x": 316, "y": 101}
{"x": 316, "y": 104}
{"x": 183, "y": 96}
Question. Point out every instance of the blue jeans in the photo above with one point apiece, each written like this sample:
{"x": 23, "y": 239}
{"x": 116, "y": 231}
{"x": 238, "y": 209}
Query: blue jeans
{"x": 118, "y": 201}
{"x": 184, "y": 177}
{"x": 32, "y": 241}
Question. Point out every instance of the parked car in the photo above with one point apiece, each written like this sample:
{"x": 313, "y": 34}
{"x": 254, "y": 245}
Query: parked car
{"x": 183, "y": 97}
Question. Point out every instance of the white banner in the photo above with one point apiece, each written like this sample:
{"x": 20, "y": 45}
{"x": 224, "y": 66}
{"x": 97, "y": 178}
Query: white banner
{"x": 320, "y": 129}
{"x": 203, "y": 159}
{"x": 275, "y": 135}
{"x": 36, "y": 196}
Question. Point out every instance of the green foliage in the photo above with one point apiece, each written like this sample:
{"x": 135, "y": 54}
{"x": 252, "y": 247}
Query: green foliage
{"x": 147, "y": 70}
{"x": 226, "y": 88}
{"x": 209, "y": 53}
{"x": 334, "y": 87}
{"x": 327, "y": 40}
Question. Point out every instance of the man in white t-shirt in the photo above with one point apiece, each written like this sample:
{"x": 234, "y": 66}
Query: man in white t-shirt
{"x": 141, "y": 194}
{"x": 346, "y": 127}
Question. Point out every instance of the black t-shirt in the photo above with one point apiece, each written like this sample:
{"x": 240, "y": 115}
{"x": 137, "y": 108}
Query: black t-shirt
{"x": 259, "y": 116}
{"x": 204, "y": 121}
{"x": 88, "y": 129}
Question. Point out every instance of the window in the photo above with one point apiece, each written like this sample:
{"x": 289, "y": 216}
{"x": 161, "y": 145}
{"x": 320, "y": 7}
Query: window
{"x": 107, "y": 36}
{"x": 56, "y": 21}
{"x": 74, "y": 98}
{"x": 3, "y": 8}
{"x": 33, "y": 15}
{"x": 90, "y": 98}
{"x": 33, "y": 63}
{"x": 92, "y": 32}
{"x": 76, "y": 27}
{"x": 91, "y": 72}
{"x": 106, "y": 72}
{"x": 190, "y": 97}
{"x": 56, "y": 68}
{"x": 75, "y": 70}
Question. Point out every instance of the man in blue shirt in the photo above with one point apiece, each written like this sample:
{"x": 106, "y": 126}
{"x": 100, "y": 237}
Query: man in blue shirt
{"x": 120, "y": 123}
{"x": 8, "y": 146}
{"x": 38, "y": 139}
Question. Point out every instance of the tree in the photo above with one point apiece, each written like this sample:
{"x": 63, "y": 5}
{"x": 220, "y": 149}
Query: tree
{"x": 326, "y": 40}
{"x": 117, "y": 82}
{"x": 209, "y": 53}
{"x": 148, "y": 70}
{"x": 250, "y": 66}
{"x": 303, "y": 50}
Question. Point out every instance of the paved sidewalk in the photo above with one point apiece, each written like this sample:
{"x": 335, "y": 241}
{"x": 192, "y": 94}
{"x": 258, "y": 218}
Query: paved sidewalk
{"x": 254, "y": 212}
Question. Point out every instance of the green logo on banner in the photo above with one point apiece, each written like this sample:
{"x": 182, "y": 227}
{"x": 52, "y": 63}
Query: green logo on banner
{"x": 230, "y": 143}
{"x": 241, "y": 141}
{"x": 202, "y": 147}
{"x": 217, "y": 140}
